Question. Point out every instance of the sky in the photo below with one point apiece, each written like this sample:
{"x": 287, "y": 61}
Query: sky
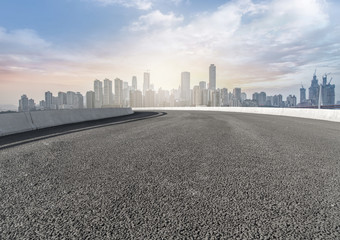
{"x": 272, "y": 45}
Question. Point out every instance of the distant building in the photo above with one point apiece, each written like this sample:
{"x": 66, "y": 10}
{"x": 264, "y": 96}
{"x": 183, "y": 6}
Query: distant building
{"x": 62, "y": 99}
{"x": 149, "y": 98}
{"x": 224, "y": 97}
{"x": 327, "y": 92}
{"x": 78, "y": 101}
{"x": 212, "y": 77}
{"x": 134, "y": 83}
{"x": 302, "y": 95}
{"x": 108, "y": 95}
{"x": 118, "y": 93}
{"x": 185, "y": 87}
{"x": 23, "y": 104}
{"x": 146, "y": 83}
{"x": 48, "y": 100}
{"x": 203, "y": 85}
{"x": 70, "y": 99}
{"x": 136, "y": 98}
{"x": 314, "y": 91}
{"x": 98, "y": 89}
{"x": 90, "y": 99}
{"x": 291, "y": 101}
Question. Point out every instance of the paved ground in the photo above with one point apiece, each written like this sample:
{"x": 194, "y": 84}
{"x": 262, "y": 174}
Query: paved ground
{"x": 195, "y": 175}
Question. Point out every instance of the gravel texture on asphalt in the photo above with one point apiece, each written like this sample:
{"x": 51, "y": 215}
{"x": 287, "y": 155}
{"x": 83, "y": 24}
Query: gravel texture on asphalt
{"x": 179, "y": 175}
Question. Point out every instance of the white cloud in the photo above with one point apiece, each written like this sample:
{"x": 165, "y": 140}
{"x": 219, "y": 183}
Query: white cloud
{"x": 155, "y": 20}
{"x": 139, "y": 4}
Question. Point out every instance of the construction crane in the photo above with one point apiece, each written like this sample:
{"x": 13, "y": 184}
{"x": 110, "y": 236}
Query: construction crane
{"x": 330, "y": 80}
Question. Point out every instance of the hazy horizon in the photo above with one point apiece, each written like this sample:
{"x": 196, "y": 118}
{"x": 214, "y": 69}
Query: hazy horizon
{"x": 64, "y": 45}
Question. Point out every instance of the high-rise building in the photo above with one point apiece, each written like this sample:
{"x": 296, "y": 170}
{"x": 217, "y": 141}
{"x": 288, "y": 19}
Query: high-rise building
{"x": 48, "y": 100}
{"x": 196, "y": 96}
{"x": 203, "y": 85}
{"x": 327, "y": 92}
{"x": 90, "y": 99}
{"x": 23, "y": 104}
{"x": 62, "y": 99}
{"x": 314, "y": 91}
{"x": 185, "y": 87}
{"x": 302, "y": 94}
{"x": 70, "y": 99}
{"x": 31, "y": 105}
{"x": 237, "y": 94}
{"x": 134, "y": 83}
{"x": 78, "y": 101}
{"x": 136, "y": 98}
{"x": 98, "y": 89}
{"x": 126, "y": 94}
{"x": 146, "y": 83}
{"x": 291, "y": 101}
{"x": 108, "y": 95}
{"x": 224, "y": 97}
{"x": 118, "y": 92}
{"x": 149, "y": 98}
{"x": 212, "y": 77}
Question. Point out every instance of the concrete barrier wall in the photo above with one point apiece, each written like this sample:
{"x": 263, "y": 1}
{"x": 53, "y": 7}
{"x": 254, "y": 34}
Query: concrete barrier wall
{"x": 320, "y": 114}
{"x": 11, "y": 123}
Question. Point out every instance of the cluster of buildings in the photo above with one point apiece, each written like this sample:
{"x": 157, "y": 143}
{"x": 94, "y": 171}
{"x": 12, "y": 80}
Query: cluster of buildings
{"x": 118, "y": 93}
{"x": 326, "y": 90}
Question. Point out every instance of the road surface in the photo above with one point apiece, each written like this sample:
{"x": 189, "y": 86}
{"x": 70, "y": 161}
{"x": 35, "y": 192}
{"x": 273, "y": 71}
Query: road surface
{"x": 173, "y": 175}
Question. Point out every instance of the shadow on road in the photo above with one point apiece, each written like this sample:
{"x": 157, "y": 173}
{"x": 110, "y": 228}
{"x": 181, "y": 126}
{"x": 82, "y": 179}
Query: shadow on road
{"x": 40, "y": 134}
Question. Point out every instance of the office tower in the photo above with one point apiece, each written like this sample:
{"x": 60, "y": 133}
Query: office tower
{"x": 118, "y": 92}
{"x": 205, "y": 97}
{"x": 98, "y": 89}
{"x": 302, "y": 94}
{"x": 146, "y": 84}
{"x": 269, "y": 101}
{"x": 134, "y": 83}
{"x": 78, "y": 101}
{"x": 55, "y": 101}
{"x": 136, "y": 98}
{"x": 237, "y": 94}
{"x": 243, "y": 96}
{"x": 314, "y": 91}
{"x": 23, "y": 104}
{"x": 185, "y": 87}
{"x": 291, "y": 101}
{"x": 126, "y": 94}
{"x": 216, "y": 98}
{"x": 90, "y": 99}
{"x": 62, "y": 99}
{"x": 70, "y": 97}
{"x": 149, "y": 98}
{"x": 262, "y": 99}
{"x": 31, "y": 104}
{"x": 48, "y": 100}
{"x": 203, "y": 85}
{"x": 212, "y": 77}
{"x": 108, "y": 95}
{"x": 196, "y": 96}
{"x": 327, "y": 92}
{"x": 224, "y": 97}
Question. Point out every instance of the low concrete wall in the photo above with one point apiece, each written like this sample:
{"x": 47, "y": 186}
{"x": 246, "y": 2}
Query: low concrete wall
{"x": 11, "y": 123}
{"x": 320, "y": 114}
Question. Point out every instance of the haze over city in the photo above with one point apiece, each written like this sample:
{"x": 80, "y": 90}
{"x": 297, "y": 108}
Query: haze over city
{"x": 271, "y": 46}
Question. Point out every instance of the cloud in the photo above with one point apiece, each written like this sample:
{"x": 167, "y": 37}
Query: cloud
{"x": 155, "y": 20}
{"x": 275, "y": 37}
{"x": 139, "y": 4}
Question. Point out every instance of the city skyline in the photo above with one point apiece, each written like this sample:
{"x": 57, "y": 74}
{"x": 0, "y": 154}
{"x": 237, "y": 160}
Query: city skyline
{"x": 204, "y": 94}
{"x": 257, "y": 45}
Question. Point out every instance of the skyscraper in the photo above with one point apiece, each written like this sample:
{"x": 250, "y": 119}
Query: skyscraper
{"x": 212, "y": 77}
{"x": 90, "y": 99}
{"x": 62, "y": 99}
{"x": 314, "y": 91}
{"x": 23, "y": 104}
{"x": 302, "y": 94}
{"x": 108, "y": 95}
{"x": 146, "y": 84}
{"x": 48, "y": 100}
{"x": 327, "y": 92}
{"x": 203, "y": 85}
{"x": 134, "y": 83}
{"x": 98, "y": 89}
{"x": 118, "y": 92}
{"x": 185, "y": 87}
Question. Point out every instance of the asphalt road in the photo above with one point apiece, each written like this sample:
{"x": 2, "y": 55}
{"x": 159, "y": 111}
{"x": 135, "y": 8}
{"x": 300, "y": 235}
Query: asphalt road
{"x": 177, "y": 175}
